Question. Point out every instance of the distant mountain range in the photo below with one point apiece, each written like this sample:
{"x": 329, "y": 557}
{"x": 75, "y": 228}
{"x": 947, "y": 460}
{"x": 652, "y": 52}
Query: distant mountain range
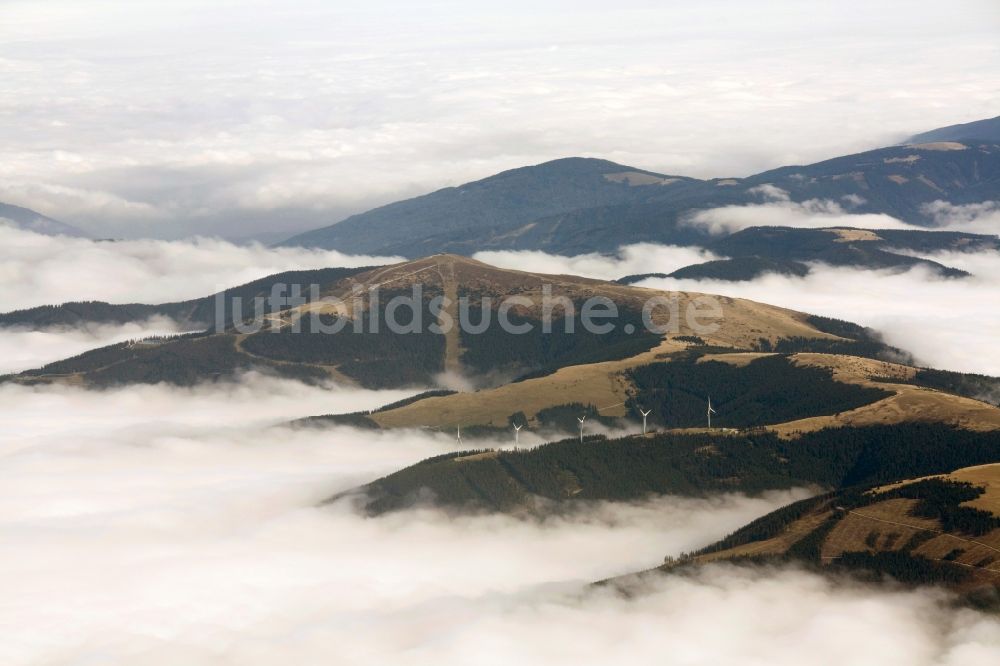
{"x": 28, "y": 220}
{"x": 579, "y": 205}
{"x": 513, "y": 199}
{"x": 538, "y": 208}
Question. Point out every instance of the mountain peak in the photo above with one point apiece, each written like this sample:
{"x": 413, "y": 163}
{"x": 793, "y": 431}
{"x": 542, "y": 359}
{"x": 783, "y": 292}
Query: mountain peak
{"x": 579, "y": 165}
{"x": 514, "y": 197}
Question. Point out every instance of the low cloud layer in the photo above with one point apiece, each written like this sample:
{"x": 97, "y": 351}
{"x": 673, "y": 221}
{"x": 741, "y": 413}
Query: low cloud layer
{"x": 43, "y": 270}
{"x": 22, "y": 349}
{"x": 949, "y": 324}
{"x": 629, "y": 260}
{"x": 180, "y": 526}
{"x": 977, "y": 218}
{"x": 164, "y": 526}
{"x": 778, "y": 210}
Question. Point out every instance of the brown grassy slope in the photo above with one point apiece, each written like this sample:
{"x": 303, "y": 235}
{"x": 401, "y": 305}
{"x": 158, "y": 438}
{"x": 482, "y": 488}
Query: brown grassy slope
{"x": 744, "y": 322}
{"x": 605, "y": 386}
{"x": 888, "y": 526}
{"x": 910, "y": 403}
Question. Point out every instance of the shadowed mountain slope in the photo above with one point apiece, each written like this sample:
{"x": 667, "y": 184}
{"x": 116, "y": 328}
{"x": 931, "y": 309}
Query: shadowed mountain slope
{"x": 513, "y": 197}
{"x": 300, "y": 338}
{"x": 979, "y": 130}
{"x": 573, "y": 206}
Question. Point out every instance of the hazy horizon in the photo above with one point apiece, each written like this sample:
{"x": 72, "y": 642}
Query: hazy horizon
{"x": 165, "y": 120}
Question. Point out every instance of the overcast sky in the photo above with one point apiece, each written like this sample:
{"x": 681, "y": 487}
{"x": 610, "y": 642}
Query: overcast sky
{"x": 164, "y": 118}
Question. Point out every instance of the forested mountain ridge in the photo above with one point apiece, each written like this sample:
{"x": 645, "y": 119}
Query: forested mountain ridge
{"x": 697, "y": 463}
{"x": 755, "y": 251}
{"x": 779, "y": 420}
{"x": 517, "y": 196}
{"x": 382, "y": 358}
{"x": 898, "y": 181}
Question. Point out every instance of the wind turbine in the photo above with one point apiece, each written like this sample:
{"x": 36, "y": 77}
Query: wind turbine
{"x": 581, "y": 420}
{"x": 644, "y": 415}
{"x": 459, "y": 434}
{"x": 710, "y": 412}
{"x": 517, "y": 434}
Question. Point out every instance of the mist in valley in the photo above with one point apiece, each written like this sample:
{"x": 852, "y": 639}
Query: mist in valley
{"x": 165, "y": 525}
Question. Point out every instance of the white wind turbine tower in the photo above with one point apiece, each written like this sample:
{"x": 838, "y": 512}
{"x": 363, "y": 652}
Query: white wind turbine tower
{"x": 581, "y": 420}
{"x": 710, "y": 412}
{"x": 458, "y": 433}
{"x": 517, "y": 434}
{"x": 644, "y": 415}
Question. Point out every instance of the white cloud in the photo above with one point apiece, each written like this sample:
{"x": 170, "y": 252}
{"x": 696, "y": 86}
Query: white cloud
{"x": 778, "y": 210}
{"x": 179, "y": 525}
{"x": 80, "y": 202}
{"x": 42, "y": 270}
{"x": 168, "y": 526}
{"x": 978, "y": 218}
{"x": 629, "y": 260}
{"x": 945, "y": 323}
{"x": 22, "y": 349}
{"x": 770, "y": 192}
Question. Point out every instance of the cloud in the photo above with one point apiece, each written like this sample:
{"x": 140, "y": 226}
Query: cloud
{"x": 778, "y": 210}
{"x": 42, "y": 270}
{"x": 629, "y": 260}
{"x": 168, "y": 526}
{"x": 22, "y": 349}
{"x": 181, "y": 525}
{"x": 728, "y": 615}
{"x": 337, "y": 108}
{"x": 977, "y": 218}
{"x": 945, "y": 323}
{"x": 82, "y": 202}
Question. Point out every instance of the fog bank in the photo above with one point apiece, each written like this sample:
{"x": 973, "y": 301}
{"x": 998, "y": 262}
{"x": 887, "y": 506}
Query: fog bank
{"x": 167, "y": 525}
{"x": 46, "y": 270}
